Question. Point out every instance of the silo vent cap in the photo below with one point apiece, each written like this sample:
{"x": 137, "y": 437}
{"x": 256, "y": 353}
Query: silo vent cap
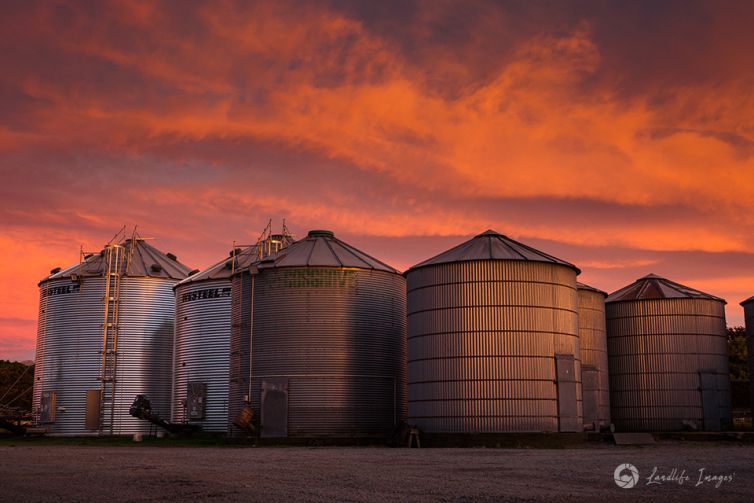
{"x": 321, "y": 233}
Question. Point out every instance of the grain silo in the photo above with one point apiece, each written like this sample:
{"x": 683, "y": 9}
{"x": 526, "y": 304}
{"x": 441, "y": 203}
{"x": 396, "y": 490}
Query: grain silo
{"x": 105, "y": 335}
{"x": 493, "y": 340}
{"x": 202, "y": 336}
{"x": 748, "y": 306}
{"x": 327, "y": 339}
{"x": 668, "y": 357}
{"x": 593, "y": 341}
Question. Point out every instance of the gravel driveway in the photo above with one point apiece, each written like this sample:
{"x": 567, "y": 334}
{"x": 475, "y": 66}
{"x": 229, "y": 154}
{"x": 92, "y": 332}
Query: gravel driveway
{"x": 32, "y": 473}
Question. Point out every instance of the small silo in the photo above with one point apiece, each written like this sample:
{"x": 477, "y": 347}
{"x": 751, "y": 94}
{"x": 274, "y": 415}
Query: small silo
{"x": 668, "y": 357}
{"x": 594, "y": 373}
{"x": 105, "y": 335}
{"x": 493, "y": 340}
{"x": 328, "y": 341}
{"x": 748, "y": 306}
{"x": 202, "y": 337}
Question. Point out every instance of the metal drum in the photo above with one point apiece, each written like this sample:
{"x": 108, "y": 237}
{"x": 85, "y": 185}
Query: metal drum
{"x": 594, "y": 370}
{"x": 493, "y": 340}
{"x": 668, "y": 357}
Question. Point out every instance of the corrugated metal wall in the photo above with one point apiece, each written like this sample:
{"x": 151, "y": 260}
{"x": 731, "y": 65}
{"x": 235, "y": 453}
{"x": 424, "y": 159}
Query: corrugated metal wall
{"x": 592, "y": 331}
{"x": 72, "y": 358}
{"x": 39, "y": 354}
{"x": 749, "y": 317}
{"x": 656, "y": 350}
{"x": 482, "y": 342}
{"x": 145, "y": 349}
{"x": 239, "y": 343}
{"x": 202, "y": 349}
{"x": 339, "y": 337}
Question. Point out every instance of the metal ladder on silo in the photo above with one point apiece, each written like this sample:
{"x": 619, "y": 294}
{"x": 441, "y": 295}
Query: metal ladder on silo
{"x": 114, "y": 255}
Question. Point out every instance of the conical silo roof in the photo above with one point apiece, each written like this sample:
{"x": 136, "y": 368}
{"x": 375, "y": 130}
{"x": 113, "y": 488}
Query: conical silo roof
{"x": 140, "y": 259}
{"x": 652, "y": 287}
{"x": 750, "y": 299}
{"x": 491, "y": 245}
{"x": 322, "y": 249}
{"x": 225, "y": 268}
{"x": 584, "y": 286}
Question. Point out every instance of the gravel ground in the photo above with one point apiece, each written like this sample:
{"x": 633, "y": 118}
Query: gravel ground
{"x": 31, "y": 473}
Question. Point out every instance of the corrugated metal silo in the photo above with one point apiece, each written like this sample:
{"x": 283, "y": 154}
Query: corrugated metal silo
{"x": 493, "y": 340}
{"x": 328, "y": 341}
{"x": 668, "y": 357}
{"x": 201, "y": 377}
{"x": 105, "y": 335}
{"x": 748, "y": 306}
{"x": 594, "y": 373}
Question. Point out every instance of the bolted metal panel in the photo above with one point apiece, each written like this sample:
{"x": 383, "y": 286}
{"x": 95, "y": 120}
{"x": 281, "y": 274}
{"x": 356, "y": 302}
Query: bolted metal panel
{"x": 202, "y": 349}
{"x": 339, "y": 336}
{"x": 592, "y": 332}
{"x": 72, "y": 355}
{"x": 657, "y": 349}
{"x": 240, "y": 338}
{"x": 482, "y": 340}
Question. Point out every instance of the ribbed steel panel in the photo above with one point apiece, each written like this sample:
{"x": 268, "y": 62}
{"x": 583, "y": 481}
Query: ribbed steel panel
{"x": 72, "y": 357}
{"x": 339, "y": 336}
{"x": 240, "y": 332}
{"x": 748, "y": 306}
{"x": 656, "y": 349}
{"x": 482, "y": 339}
{"x": 39, "y": 354}
{"x": 202, "y": 349}
{"x": 593, "y": 339}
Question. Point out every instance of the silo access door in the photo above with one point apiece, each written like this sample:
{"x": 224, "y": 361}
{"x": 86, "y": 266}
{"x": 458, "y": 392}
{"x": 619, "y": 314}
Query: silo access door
{"x": 710, "y": 400}
{"x": 568, "y": 419}
{"x": 274, "y": 416}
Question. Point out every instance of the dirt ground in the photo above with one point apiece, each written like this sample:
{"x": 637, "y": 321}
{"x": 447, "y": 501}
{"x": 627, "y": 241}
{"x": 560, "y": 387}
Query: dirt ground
{"x": 31, "y": 473}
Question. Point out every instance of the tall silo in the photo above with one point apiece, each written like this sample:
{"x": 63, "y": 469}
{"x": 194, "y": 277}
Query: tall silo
{"x": 594, "y": 373}
{"x": 201, "y": 376}
{"x": 105, "y": 335}
{"x": 748, "y": 306}
{"x": 328, "y": 341}
{"x": 668, "y": 357}
{"x": 493, "y": 340}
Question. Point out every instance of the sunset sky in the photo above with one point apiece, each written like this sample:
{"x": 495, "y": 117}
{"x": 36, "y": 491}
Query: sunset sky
{"x": 616, "y": 135}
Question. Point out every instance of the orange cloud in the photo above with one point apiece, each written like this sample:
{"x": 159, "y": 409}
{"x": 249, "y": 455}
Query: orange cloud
{"x": 200, "y": 124}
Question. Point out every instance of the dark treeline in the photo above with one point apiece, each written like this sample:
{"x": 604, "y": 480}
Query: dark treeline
{"x": 16, "y": 381}
{"x": 739, "y": 368}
